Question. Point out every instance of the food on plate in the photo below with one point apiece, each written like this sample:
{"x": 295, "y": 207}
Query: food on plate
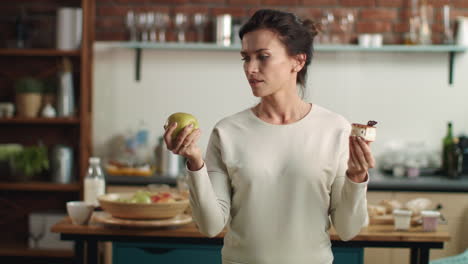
{"x": 368, "y": 132}
{"x": 183, "y": 120}
{"x": 390, "y": 205}
{"x": 116, "y": 168}
{"x": 417, "y": 205}
{"x": 145, "y": 197}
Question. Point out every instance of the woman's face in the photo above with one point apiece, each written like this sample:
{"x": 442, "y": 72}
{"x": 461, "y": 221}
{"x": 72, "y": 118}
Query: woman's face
{"x": 267, "y": 65}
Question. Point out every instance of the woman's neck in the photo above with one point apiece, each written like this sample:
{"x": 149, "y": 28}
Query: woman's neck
{"x": 281, "y": 110}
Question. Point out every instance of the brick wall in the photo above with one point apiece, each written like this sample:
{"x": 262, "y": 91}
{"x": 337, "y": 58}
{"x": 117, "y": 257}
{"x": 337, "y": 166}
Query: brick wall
{"x": 389, "y": 17}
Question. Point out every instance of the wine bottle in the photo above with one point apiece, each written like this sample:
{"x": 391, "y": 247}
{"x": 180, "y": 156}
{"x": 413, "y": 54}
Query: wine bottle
{"x": 447, "y": 149}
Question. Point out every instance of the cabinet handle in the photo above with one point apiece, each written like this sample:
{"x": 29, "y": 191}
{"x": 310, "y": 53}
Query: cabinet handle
{"x": 157, "y": 251}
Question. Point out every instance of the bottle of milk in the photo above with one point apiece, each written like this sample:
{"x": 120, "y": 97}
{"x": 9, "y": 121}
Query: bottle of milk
{"x": 94, "y": 183}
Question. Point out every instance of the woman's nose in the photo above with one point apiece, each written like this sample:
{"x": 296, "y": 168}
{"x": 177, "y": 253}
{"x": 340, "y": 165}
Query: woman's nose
{"x": 251, "y": 67}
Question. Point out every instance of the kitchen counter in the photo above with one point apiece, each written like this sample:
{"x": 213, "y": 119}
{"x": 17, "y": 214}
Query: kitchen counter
{"x": 423, "y": 183}
{"x": 378, "y": 182}
{"x": 372, "y": 236}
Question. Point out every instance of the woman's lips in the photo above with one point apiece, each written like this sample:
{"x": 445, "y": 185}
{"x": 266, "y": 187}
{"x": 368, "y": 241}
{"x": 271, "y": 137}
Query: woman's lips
{"x": 254, "y": 82}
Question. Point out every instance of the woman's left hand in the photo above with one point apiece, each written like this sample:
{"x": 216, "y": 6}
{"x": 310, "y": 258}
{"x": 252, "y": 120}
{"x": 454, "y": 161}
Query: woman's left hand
{"x": 360, "y": 159}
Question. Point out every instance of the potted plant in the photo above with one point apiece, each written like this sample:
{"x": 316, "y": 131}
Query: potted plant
{"x": 29, "y": 162}
{"x": 28, "y": 96}
{"x": 7, "y": 151}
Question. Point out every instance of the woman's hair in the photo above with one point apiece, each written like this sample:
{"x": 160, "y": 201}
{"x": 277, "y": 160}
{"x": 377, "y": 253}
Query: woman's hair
{"x": 297, "y": 35}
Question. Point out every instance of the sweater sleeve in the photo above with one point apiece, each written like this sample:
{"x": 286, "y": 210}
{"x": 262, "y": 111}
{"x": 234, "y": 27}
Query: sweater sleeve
{"x": 348, "y": 209}
{"x": 210, "y": 190}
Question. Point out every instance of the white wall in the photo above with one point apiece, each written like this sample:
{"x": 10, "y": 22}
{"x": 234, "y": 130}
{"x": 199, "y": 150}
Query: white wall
{"x": 407, "y": 93}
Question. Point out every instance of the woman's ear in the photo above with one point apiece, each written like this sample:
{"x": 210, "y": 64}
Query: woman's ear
{"x": 300, "y": 60}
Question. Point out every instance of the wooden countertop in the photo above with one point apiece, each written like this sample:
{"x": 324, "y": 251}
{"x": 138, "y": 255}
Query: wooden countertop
{"x": 370, "y": 233}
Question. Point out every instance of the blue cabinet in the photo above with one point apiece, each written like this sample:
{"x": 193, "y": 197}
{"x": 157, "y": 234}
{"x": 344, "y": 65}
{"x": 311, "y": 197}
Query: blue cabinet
{"x": 154, "y": 253}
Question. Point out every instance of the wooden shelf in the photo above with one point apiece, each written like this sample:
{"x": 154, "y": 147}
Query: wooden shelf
{"x": 39, "y": 186}
{"x": 37, "y": 253}
{"x": 40, "y": 120}
{"x": 39, "y": 52}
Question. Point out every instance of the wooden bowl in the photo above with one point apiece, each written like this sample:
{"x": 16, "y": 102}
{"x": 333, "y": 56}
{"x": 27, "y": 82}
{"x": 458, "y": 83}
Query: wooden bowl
{"x": 140, "y": 211}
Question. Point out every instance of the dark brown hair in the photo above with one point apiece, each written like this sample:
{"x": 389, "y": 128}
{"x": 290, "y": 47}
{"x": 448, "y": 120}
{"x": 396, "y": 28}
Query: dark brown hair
{"x": 297, "y": 35}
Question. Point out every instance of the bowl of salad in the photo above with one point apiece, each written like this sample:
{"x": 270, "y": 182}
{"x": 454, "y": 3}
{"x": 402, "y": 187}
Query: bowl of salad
{"x": 144, "y": 205}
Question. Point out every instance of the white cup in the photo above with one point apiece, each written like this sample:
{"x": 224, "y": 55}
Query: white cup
{"x": 80, "y": 212}
{"x": 365, "y": 40}
{"x": 462, "y": 31}
{"x": 376, "y": 40}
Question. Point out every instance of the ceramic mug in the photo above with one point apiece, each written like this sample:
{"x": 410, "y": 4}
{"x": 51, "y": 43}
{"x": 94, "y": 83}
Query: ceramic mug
{"x": 462, "y": 31}
{"x": 80, "y": 212}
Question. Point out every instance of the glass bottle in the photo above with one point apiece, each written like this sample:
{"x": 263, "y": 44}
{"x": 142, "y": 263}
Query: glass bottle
{"x": 447, "y": 150}
{"x": 94, "y": 183}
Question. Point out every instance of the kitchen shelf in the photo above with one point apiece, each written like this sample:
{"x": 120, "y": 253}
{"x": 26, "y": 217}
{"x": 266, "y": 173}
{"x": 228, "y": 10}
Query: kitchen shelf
{"x": 37, "y": 253}
{"x": 138, "y": 46}
{"x": 39, "y": 186}
{"x": 38, "y": 52}
{"x": 40, "y": 120}
{"x": 215, "y": 47}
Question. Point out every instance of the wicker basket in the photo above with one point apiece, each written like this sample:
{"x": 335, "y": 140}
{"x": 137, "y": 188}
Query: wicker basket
{"x": 140, "y": 211}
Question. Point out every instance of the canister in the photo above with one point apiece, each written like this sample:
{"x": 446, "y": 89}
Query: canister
{"x": 223, "y": 29}
{"x": 62, "y": 164}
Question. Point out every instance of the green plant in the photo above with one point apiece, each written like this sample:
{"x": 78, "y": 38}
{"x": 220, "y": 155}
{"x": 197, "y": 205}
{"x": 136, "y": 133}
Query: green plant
{"x": 29, "y": 85}
{"x": 31, "y": 160}
{"x": 9, "y": 150}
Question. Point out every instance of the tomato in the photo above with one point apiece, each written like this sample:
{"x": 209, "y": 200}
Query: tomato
{"x": 155, "y": 198}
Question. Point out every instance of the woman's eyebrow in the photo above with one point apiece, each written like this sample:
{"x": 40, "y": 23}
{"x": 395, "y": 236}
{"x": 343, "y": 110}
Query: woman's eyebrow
{"x": 243, "y": 53}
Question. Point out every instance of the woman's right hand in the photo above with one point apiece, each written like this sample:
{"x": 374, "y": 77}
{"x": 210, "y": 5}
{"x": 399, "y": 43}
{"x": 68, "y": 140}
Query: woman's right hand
{"x": 185, "y": 144}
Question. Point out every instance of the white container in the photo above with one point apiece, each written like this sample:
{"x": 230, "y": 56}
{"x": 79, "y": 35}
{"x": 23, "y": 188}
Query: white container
{"x": 365, "y": 40}
{"x": 430, "y": 220}
{"x": 69, "y": 28}
{"x": 223, "y": 30}
{"x": 376, "y": 40}
{"x": 80, "y": 212}
{"x": 462, "y": 31}
{"x": 402, "y": 219}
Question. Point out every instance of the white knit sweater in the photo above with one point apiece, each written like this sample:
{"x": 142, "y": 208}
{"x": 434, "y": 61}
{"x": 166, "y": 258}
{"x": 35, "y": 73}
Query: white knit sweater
{"x": 276, "y": 187}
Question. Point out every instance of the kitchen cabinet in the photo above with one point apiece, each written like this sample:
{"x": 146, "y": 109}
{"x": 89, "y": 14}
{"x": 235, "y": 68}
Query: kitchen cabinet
{"x": 19, "y": 198}
{"x": 129, "y": 253}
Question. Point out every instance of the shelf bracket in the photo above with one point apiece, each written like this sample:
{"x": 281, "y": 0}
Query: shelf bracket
{"x": 451, "y": 62}
{"x": 137, "y": 64}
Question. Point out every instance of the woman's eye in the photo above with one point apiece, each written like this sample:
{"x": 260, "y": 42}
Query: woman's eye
{"x": 263, "y": 57}
{"x": 245, "y": 59}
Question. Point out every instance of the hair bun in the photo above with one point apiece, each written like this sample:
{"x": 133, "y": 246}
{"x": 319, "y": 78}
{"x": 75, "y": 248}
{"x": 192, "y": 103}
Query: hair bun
{"x": 311, "y": 27}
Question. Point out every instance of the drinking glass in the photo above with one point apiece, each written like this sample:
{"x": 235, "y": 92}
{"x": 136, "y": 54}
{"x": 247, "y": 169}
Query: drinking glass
{"x": 162, "y": 22}
{"x": 37, "y": 230}
{"x": 151, "y": 26}
{"x": 327, "y": 21}
{"x": 142, "y": 26}
{"x": 346, "y": 26}
{"x": 130, "y": 22}
{"x": 180, "y": 21}
{"x": 199, "y": 21}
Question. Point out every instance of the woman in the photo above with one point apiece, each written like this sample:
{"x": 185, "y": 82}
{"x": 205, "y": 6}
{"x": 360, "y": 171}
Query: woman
{"x": 276, "y": 174}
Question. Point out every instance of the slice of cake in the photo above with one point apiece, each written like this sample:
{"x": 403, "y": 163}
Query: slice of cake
{"x": 368, "y": 132}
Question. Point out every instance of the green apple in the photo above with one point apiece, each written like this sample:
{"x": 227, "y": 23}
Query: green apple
{"x": 183, "y": 120}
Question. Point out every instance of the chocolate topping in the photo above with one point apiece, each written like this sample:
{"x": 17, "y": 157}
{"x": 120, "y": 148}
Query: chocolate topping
{"x": 372, "y": 123}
